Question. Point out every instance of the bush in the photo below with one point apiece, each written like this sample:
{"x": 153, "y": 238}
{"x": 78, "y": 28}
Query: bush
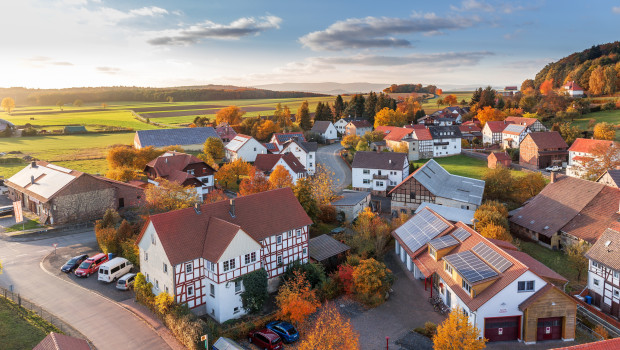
{"x": 163, "y": 302}
{"x": 29, "y": 131}
{"x": 609, "y": 106}
{"x": 254, "y": 292}
{"x": 327, "y": 214}
{"x": 329, "y": 289}
{"x": 315, "y": 273}
{"x": 429, "y": 330}
{"x": 187, "y": 329}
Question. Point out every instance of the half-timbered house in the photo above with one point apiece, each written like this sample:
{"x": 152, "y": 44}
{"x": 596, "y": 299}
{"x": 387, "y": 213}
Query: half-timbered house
{"x": 604, "y": 272}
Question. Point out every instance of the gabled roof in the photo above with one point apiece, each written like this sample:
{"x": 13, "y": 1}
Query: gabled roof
{"x": 548, "y": 140}
{"x": 522, "y": 121}
{"x": 266, "y": 162}
{"x": 423, "y": 134}
{"x": 497, "y": 126}
{"x": 589, "y": 145}
{"x": 607, "y": 249}
{"x": 469, "y": 128}
{"x": 320, "y": 126}
{"x": 571, "y": 85}
{"x": 379, "y": 160}
{"x": 514, "y": 129}
{"x": 324, "y": 247}
{"x": 449, "y": 213}
{"x": 281, "y": 138}
{"x": 171, "y": 163}
{"x": 360, "y": 123}
{"x": 596, "y": 216}
{"x": 235, "y": 144}
{"x": 614, "y": 174}
{"x": 441, "y": 183}
{"x": 500, "y": 156}
{"x": 307, "y": 146}
{"x": 548, "y": 288}
{"x": 415, "y": 126}
{"x": 44, "y": 180}
{"x": 57, "y": 341}
{"x": 186, "y": 234}
{"x": 394, "y": 133}
{"x": 351, "y": 198}
{"x": 171, "y": 137}
{"x": 445, "y": 132}
{"x": 420, "y": 229}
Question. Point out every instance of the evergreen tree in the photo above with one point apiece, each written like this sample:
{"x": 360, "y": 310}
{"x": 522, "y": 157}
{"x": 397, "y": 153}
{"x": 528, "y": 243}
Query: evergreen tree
{"x": 338, "y": 107}
{"x": 475, "y": 97}
{"x": 370, "y": 107}
{"x": 303, "y": 116}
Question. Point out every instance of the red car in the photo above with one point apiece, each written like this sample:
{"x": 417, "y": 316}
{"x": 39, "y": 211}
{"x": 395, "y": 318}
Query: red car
{"x": 265, "y": 339}
{"x": 90, "y": 265}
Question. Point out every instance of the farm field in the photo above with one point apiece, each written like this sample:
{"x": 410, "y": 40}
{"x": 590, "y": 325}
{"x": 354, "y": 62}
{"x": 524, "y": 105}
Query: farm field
{"x": 612, "y": 117}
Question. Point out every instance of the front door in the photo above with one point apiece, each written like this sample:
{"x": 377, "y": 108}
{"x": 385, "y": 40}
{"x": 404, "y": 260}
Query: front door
{"x": 549, "y": 329}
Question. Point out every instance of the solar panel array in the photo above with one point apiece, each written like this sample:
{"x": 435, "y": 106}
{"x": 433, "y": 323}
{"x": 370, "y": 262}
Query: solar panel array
{"x": 470, "y": 266}
{"x": 420, "y": 229}
{"x": 492, "y": 257}
{"x": 461, "y": 234}
{"x": 443, "y": 242}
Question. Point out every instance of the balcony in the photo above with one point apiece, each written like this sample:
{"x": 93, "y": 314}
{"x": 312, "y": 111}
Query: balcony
{"x": 379, "y": 177}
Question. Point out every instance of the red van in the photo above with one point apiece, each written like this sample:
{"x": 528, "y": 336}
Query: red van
{"x": 91, "y": 265}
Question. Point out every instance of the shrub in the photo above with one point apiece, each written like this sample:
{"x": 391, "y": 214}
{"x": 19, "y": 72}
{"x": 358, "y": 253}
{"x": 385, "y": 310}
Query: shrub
{"x": 163, "y": 302}
{"x": 344, "y": 276}
{"x": 327, "y": 214}
{"x": 255, "y": 290}
{"x": 329, "y": 289}
{"x": 371, "y": 280}
{"x": 186, "y": 329}
{"x": 315, "y": 273}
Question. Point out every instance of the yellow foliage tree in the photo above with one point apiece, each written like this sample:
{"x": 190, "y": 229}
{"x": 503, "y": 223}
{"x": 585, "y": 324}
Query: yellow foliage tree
{"x": 527, "y": 186}
{"x": 280, "y": 178}
{"x": 256, "y": 182}
{"x": 604, "y": 131}
{"x": 350, "y": 141}
{"x": 296, "y": 300}
{"x": 488, "y": 114}
{"x": 457, "y": 333}
{"x": 8, "y": 104}
{"x": 170, "y": 195}
{"x": 214, "y": 148}
{"x": 390, "y": 117}
{"x": 230, "y": 173}
{"x": 266, "y": 129}
{"x": 231, "y": 115}
{"x": 496, "y": 232}
{"x": 163, "y": 302}
{"x": 369, "y": 280}
{"x": 402, "y": 147}
{"x": 323, "y": 185}
{"x": 121, "y": 174}
{"x": 330, "y": 331}
{"x": 597, "y": 81}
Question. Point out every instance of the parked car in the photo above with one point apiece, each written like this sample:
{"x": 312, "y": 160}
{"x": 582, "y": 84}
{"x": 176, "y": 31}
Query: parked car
{"x": 285, "y": 330}
{"x": 126, "y": 282}
{"x": 114, "y": 269}
{"x": 553, "y": 168}
{"x": 265, "y": 339}
{"x": 224, "y": 343}
{"x": 73, "y": 263}
{"x": 90, "y": 265}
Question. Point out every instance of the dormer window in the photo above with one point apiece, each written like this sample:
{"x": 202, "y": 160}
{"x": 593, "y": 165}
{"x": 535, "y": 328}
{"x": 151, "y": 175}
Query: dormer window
{"x": 190, "y": 171}
{"x": 433, "y": 252}
{"x": 448, "y": 269}
{"x": 466, "y": 286}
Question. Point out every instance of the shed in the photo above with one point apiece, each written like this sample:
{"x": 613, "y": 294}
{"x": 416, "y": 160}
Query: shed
{"x": 327, "y": 250}
{"x": 499, "y": 158}
{"x": 74, "y": 129}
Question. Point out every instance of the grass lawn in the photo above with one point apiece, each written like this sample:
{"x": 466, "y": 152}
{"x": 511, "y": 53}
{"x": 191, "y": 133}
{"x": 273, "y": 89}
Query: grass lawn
{"x": 463, "y": 166}
{"x": 119, "y": 118}
{"x": 28, "y": 225}
{"x": 557, "y": 261}
{"x": 20, "y": 328}
{"x": 612, "y": 117}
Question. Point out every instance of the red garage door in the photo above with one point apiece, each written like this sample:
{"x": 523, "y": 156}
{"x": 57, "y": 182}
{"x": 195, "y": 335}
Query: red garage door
{"x": 549, "y": 329}
{"x": 502, "y": 328}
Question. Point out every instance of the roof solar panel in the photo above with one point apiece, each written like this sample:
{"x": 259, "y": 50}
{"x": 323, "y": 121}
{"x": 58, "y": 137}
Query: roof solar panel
{"x": 470, "y": 266}
{"x": 461, "y": 234}
{"x": 420, "y": 229}
{"x": 492, "y": 257}
{"x": 443, "y": 242}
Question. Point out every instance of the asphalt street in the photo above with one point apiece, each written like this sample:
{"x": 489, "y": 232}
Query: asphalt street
{"x": 329, "y": 157}
{"x": 105, "y": 323}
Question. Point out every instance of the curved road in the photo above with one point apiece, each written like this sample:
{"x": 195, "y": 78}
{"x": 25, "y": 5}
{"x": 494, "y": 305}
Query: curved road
{"x": 329, "y": 157}
{"x": 106, "y": 324}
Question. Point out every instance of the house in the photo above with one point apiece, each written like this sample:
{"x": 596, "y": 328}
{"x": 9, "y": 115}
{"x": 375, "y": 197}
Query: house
{"x": 198, "y": 254}
{"x": 567, "y": 210}
{"x": 513, "y": 134}
{"x": 341, "y": 125}
{"x": 184, "y": 169}
{"x": 499, "y": 158}
{"x": 509, "y": 91}
{"x": 503, "y": 296}
{"x": 379, "y": 146}
{"x": 610, "y": 178}
{"x": 281, "y": 138}
{"x": 604, "y": 272}
{"x": 451, "y": 214}
{"x": 470, "y": 132}
{"x": 492, "y": 132}
{"x": 61, "y": 196}
{"x": 358, "y": 127}
{"x": 326, "y": 129}
{"x": 431, "y": 183}
{"x": 225, "y": 132}
{"x": 582, "y": 151}
{"x": 376, "y": 172}
{"x": 57, "y": 341}
{"x": 446, "y": 140}
{"x": 419, "y": 141}
{"x": 268, "y": 162}
{"x": 532, "y": 123}
{"x": 191, "y": 139}
{"x": 74, "y": 129}
{"x": 573, "y": 89}
{"x": 272, "y": 148}
{"x": 351, "y": 203}
{"x": 305, "y": 151}
{"x": 539, "y": 150}
{"x": 244, "y": 147}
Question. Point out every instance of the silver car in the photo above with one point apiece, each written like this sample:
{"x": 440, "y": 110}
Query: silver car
{"x": 126, "y": 282}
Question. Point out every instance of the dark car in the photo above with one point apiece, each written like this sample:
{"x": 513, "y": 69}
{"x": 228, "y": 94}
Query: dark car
{"x": 73, "y": 263}
{"x": 285, "y": 330}
{"x": 265, "y": 339}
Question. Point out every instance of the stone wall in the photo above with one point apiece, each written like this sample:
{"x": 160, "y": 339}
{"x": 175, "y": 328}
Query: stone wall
{"x": 85, "y": 199}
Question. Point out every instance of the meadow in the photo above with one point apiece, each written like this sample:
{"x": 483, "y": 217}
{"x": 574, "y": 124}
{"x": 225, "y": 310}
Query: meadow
{"x": 612, "y": 117}
{"x": 464, "y": 166}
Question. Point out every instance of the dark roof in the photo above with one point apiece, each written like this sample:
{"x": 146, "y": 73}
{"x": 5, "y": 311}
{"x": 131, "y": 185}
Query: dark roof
{"x": 74, "y": 129}
{"x": 536, "y": 266}
{"x": 271, "y": 147}
{"x": 445, "y": 132}
{"x": 266, "y": 162}
{"x": 547, "y": 140}
{"x": 379, "y": 160}
{"x": 361, "y": 123}
{"x": 283, "y": 137}
{"x": 350, "y": 198}
{"x": 607, "y": 249}
{"x": 320, "y": 126}
{"x": 167, "y": 166}
{"x": 596, "y": 216}
{"x": 308, "y": 146}
{"x": 614, "y": 174}
{"x": 172, "y": 137}
{"x": 324, "y": 247}
{"x": 56, "y": 341}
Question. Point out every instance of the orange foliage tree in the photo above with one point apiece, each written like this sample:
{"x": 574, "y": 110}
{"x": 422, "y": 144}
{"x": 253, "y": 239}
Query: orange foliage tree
{"x": 450, "y": 100}
{"x": 256, "y": 182}
{"x": 230, "y": 173}
{"x": 439, "y": 92}
{"x": 330, "y": 331}
{"x": 231, "y": 115}
{"x": 296, "y": 300}
{"x": 215, "y": 196}
{"x": 488, "y": 114}
{"x": 266, "y": 129}
{"x": 371, "y": 280}
{"x": 546, "y": 87}
{"x": 169, "y": 195}
{"x": 496, "y": 232}
{"x": 457, "y": 333}
{"x": 280, "y": 178}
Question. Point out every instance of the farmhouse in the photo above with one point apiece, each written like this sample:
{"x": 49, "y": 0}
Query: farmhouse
{"x": 499, "y": 158}
{"x": 532, "y": 123}
{"x": 358, "y": 127}
{"x": 539, "y": 150}
{"x": 197, "y": 254}
{"x": 431, "y": 183}
{"x": 341, "y": 125}
{"x": 604, "y": 272}
{"x": 268, "y": 162}
{"x": 281, "y": 138}
{"x": 225, "y": 132}
{"x": 446, "y": 140}
{"x": 492, "y": 132}
{"x": 244, "y": 147}
{"x": 567, "y": 210}
{"x": 304, "y": 151}
{"x": 582, "y": 151}
{"x": 191, "y": 139}
{"x": 513, "y": 134}
{"x": 508, "y": 298}
{"x": 573, "y": 89}
{"x": 470, "y": 132}
{"x": 62, "y": 196}
{"x": 183, "y": 169}
{"x": 419, "y": 141}
{"x": 351, "y": 203}
{"x": 376, "y": 172}
{"x": 325, "y": 129}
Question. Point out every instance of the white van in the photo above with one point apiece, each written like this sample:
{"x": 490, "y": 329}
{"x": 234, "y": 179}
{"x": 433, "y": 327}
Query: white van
{"x": 114, "y": 269}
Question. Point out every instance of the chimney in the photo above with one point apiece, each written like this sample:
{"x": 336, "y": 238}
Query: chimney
{"x": 232, "y": 207}
{"x": 166, "y": 159}
{"x": 197, "y": 208}
{"x": 553, "y": 176}
{"x": 32, "y": 179}
{"x": 33, "y": 164}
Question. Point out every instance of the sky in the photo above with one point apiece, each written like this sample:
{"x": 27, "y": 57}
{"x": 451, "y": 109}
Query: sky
{"x": 76, "y": 43}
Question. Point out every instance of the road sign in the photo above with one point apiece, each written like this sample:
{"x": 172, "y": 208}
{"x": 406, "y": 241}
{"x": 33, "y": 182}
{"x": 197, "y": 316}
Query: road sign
{"x": 205, "y": 338}
{"x": 17, "y": 210}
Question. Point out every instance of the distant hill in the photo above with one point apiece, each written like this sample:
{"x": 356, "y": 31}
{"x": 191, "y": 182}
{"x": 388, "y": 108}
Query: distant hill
{"x": 580, "y": 65}
{"x": 329, "y": 88}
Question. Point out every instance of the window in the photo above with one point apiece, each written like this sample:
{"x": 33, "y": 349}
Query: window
{"x": 412, "y": 195}
{"x": 616, "y": 293}
{"x": 210, "y": 266}
{"x": 166, "y": 289}
{"x": 250, "y": 258}
{"x": 190, "y": 171}
{"x": 616, "y": 274}
{"x": 448, "y": 268}
{"x": 366, "y": 181}
{"x": 189, "y": 268}
{"x": 165, "y": 268}
{"x": 596, "y": 281}
{"x": 310, "y": 156}
{"x": 279, "y": 259}
{"x": 310, "y": 164}
{"x": 298, "y": 232}
{"x": 595, "y": 264}
{"x": 212, "y": 289}
{"x": 254, "y": 149}
{"x": 229, "y": 265}
{"x": 156, "y": 284}
{"x": 466, "y": 286}
{"x": 366, "y": 171}
{"x": 304, "y": 251}
{"x": 190, "y": 291}
{"x": 153, "y": 239}
{"x": 146, "y": 256}
{"x": 237, "y": 287}
{"x": 525, "y": 286}
{"x": 236, "y": 310}
{"x": 432, "y": 252}
{"x": 279, "y": 239}
{"x": 290, "y": 233}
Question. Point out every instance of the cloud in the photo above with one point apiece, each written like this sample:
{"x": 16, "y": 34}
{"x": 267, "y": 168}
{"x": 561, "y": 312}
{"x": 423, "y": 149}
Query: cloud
{"x": 615, "y": 9}
{"x": 42, "y": 61}
{"x": 513, "y": 35}
{"x": 473, "y": 5}
{"x": 453, "y": 58}
{"x": 237, "y": 29}
{"x": 378, "y": 32}
{"x": 152, "y": 11}
{"x": 108, "y": 70}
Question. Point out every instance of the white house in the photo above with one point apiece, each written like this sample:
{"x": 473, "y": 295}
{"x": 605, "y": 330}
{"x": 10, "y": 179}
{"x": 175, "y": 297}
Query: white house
{"x": 419, "y": 141}
{"x": 326, "y": 129}
{"x": 197, "y": 254}
{"x": 279, "y": 139}
{"x": 268, "y": 162}
{"x": 513, "y": 134}
{"x": 244, "y": 147}
{"x": 446, "y": 140}
{"x": 505, "y": 293}
{"x": 358, "y": 127}
{"x": 604, "y": 272}
{"x": 582, "y": 151}
{"x": 573, "y": 89}
{"x": 376, "y": 172}
{"x": 304, "y": 151}
{"x": 341, "y": 125}
{"x": 492, "y": 132}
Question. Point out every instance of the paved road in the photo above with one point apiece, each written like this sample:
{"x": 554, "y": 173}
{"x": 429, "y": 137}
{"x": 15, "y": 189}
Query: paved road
{"x": 329, "y": 157}
{"x": 106, "y": 324}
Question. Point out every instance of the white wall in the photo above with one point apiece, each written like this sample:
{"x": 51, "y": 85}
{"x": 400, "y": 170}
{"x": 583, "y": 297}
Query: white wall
{"x": 153, "y": 268}
{"x": 247, "y": 152}
{"x": 308, "y": 160}
{"x": 396, "y": 176}
{"x": 453, "y": 147}
{"x": 330, "y": 133}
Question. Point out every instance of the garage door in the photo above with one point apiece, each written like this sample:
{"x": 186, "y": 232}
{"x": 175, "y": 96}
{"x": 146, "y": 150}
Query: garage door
{"x": 549, "y": 329}
{"x": 502, "y": 328}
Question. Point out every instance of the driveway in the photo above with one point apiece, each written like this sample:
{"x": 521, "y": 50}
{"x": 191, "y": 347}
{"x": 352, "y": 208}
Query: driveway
{"x": 105, "y": 323}
{"x": 329, "y": 157}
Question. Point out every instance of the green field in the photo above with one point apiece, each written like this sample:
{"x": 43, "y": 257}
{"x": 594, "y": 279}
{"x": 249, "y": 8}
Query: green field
{"x": 20, "y": 328}
{"x": 464, "y": 166}
{"x": 557, "y": 261}
{"x": 612, "y": 117}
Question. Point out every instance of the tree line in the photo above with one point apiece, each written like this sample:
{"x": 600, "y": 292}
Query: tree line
{"x": 408, "y": 88}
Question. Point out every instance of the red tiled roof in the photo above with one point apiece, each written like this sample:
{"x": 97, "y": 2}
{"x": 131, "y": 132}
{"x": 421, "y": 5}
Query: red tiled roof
{"x": 423, "y": 134}
{"x": 500, "y": 156}
{"x": 522, "y": 120}
{"x": 536, "y": 266}
{"x": 266, "y": 162}
{"x": 571, "y": 85}
{"x": 502, "y": 244}
{"x": 393, "y": 133}
{"x": 497, "y": 126}
{"x": 166, "y": 166}
{"x": 415, "y": 126}
{"x": 596, "y": 216}
{"x": 599, "y": 345}
{"x": 606, "y": 249}
{"x": 469, "y": 128}
{"x": 56, "y": 341}
{"x": 547, "y": 140}
{"x": 589, "y": 145}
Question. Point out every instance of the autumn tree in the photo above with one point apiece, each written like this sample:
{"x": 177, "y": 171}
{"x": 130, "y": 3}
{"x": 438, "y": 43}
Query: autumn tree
{"x": 569, "y": 132}
{"x": 131, "y": 158}
{"x": 8, "y": 104}
{"x": 604, "y": 131}
{"x": 372, "y": 280}
{"x": 230, "y": 173}
{"x": 546, "y": 87}
{"x": 390, "y": 117}
{"x": 330, "y": 331}
{"x": 266, "y": 129}
{"x": 527, "y": 186}
{"x": 104, "y": 105}
{"x": 402, "y": 147}
{"x": 215, "y": 196}
{"x": 304, "y": 194}
{"x": 214, "y": 148}
{"x": 350, "y": 141}
{"x": 450, "y": 100}
{"x": 169, "y": 195}
{"x": 303, "y": 116}
{"x": 78, "y": 103}
{"x": 456, "y": 332}
{"x": 372, "y": 234}
{"x": 498, "y": 183}
{"x": 488, "y": 114}
{"x": 527, "y": 84}
{"x": 122, "y": 174}
{"x": 296, "y": 300}
{"x": 280, "y": 178}
{"x": 496, "y": 232}
{"x": 597, "y": 81}
{"x": 604, "y": 157}
{"x": 362, "y": 146}
{"x": 577, "y": 256}
{"x": 231, "y": 115}
{"x": 163, "y": 302}
{"x": 322, "y": 184}
{"x": 256, "y": 182}
{"x": 438, "y": 92}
